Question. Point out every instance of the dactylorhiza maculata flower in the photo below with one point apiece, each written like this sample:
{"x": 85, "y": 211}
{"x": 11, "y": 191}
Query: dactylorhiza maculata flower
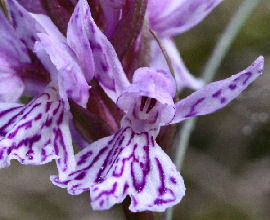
{"x": 38, "y": 132}
{"x": 129, "y": 162}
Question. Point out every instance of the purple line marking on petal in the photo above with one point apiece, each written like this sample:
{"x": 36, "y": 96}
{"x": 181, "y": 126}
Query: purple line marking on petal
{"x": 152, "y": 141}
{"x": 61, "y": 117}
{"x": 131, "y": 138}
{"x": 223, "y": 100}
{"x": 62, "y": 143}
{"x": 135, "y": 202}
{"x": 43, "y": 155}
{"x": 162, "y": 188}
{"x": 126, "y": 186}
{"x": 33, "y": 107}
{"x": 38, "y": 117}
{"x": 139, "y": 185}
{"x": 192, "y": 111}
{"x": 232, "y": 86}
{"x": 101, "y": 203}
{"x": 4, "y": 112}
{"x": 48, "y": 106}
{"x": 118, "y": 141}
{"x": 96, "y": 158}
{"x": 107, "y": 192}
{"x": 249, "y": 74}
{"x": 217, "y": 93}
{"x": 84, "y": 157}
{"x": 173, "y": 180}
{"x": 57, "y": 109}
{"x": 80, "y": 176}
{"x": 2, "y": 153}
{"x": 27, "y": 125}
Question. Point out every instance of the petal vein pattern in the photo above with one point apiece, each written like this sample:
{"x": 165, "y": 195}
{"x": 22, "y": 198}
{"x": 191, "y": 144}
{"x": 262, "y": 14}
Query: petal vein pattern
{"x": 108, "y": 69}
{"x": 216, "y": 95}
{"x": 36, "y": 133}
{"x": 126, "y": 163}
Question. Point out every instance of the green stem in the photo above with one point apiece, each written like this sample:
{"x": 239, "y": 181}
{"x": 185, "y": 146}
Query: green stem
{"x": 213, "y": 63}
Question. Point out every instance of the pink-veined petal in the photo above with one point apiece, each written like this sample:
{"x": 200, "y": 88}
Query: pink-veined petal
{"x": 77, "y": 38}
{"x": 126, "y": 163}
{"x": 37, "y": 133}
{"x": 108, "y": 69}
{"x": 176, "y": 17}
{"x": 216, "y": 95}
{"x": 183, "y": 77}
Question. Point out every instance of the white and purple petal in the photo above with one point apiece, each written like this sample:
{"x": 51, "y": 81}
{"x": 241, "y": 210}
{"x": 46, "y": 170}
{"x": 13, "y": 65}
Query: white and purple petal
{"x": 126, "y": 163}
{"x": 37, "y": 133}
{"x": 28, "y": 25}
{"x": 108, "y": 69}
{"x": 77, "y": 38}
{"x": 64, "y": 68}
{"x": 170, "y": 17}
{"x": 216, "y": 95}
{"x": 12, "y": 51}
{"x": 183, "y": 77}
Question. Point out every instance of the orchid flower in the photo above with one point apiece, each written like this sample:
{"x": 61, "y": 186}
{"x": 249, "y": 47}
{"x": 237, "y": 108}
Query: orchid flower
{"x": 169, "y": 18}
{"x": 38, "y": 132}
{"x": 130, "y": 162}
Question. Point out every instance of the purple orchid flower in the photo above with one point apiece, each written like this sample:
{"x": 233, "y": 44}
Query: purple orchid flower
{"x": 38, "y": 132}
{"x": 130, "y": 162}
{"x": 169, "y": 18}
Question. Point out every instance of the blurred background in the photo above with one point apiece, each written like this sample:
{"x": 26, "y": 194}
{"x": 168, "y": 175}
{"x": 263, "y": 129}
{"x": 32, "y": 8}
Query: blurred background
{"x": 227, "y": 166}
